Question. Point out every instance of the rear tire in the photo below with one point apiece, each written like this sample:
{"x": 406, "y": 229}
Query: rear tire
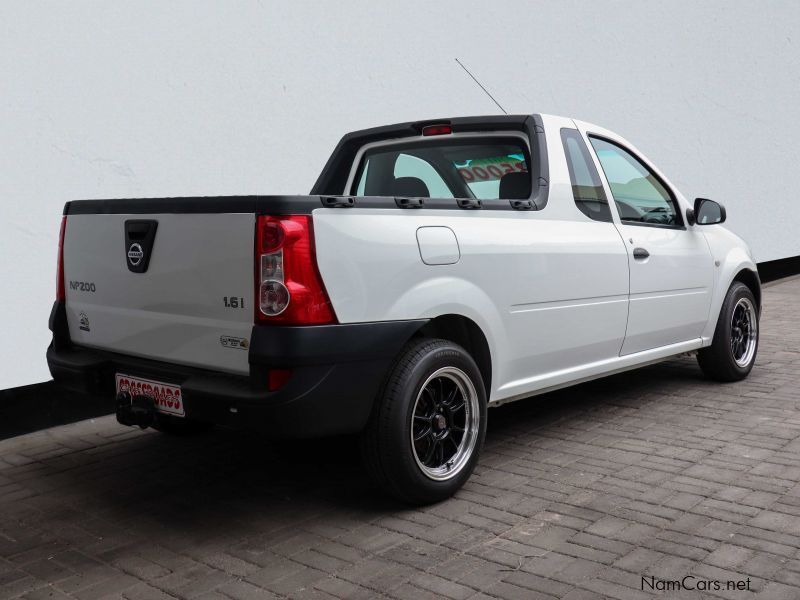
{"x": 428, "y": 424}
{"x": 733, "y": 350}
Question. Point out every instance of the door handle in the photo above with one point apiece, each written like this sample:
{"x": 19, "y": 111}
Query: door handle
{"x": 640, "y": 253}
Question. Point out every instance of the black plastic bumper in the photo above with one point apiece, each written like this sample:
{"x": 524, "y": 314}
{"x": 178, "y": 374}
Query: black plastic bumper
{"x": 336, "y": 372}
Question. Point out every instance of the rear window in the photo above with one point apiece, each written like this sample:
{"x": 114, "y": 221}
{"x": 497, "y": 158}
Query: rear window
{"x": 483, "y": 168}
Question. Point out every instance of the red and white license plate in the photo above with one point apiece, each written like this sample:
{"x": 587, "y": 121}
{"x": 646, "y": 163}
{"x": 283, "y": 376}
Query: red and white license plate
{"x": 167, "y": 397}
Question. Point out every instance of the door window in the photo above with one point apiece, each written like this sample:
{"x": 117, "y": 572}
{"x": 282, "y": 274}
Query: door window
{"x": 640, "y": 196}
{"x": 586, "y": 186}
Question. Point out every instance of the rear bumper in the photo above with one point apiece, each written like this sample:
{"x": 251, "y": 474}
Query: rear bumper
{"x": 336, "y": 372}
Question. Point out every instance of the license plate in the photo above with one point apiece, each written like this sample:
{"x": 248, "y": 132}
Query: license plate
{"x": 167, "y": 397}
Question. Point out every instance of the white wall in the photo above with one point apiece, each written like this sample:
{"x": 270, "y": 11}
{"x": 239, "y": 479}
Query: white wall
{"x": 146, "y": 98}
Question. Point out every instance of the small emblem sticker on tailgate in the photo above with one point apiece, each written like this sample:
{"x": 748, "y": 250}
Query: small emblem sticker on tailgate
{"x": 166, "y": 397}
{"x": 228, "y": 341}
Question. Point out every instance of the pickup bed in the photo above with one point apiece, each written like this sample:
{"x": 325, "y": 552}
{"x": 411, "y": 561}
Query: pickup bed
{"x": 436, "y": 269}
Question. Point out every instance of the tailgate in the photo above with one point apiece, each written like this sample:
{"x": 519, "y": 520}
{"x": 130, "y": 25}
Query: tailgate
{"x": 168, "y": 287}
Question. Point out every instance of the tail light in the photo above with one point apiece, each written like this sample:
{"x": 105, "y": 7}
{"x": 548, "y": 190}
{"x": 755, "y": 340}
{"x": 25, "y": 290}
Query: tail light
{"x": 289, "y": 288}
{"x": 60, "y": 290}
{"x": 443, "y": 129}
{"x": 277, "y": 378}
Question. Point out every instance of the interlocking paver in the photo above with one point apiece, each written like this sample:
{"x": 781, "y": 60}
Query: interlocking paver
{"x": 579, "y": 493}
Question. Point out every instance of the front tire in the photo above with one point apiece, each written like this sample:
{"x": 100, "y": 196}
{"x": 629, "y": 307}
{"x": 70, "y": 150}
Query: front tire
{"x": 733, "y": 350}
{"x": 428, "y": 425}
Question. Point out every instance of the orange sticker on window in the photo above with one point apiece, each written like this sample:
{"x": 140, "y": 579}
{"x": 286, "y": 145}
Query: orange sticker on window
{"x": 490, "y": 169}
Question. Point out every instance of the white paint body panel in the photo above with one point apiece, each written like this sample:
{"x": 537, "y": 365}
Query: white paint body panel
{"x": 547, "y": 294}
{"x": 671, "y": 290}
{"x": 558, "y": 296}
{"x": 174, "y": 312}
{"x": 730, "y": 255}
{"x": 438, "y": 246}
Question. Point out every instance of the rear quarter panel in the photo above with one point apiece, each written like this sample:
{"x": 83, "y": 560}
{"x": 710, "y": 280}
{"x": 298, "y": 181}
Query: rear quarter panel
{"x": 520, "y": 278}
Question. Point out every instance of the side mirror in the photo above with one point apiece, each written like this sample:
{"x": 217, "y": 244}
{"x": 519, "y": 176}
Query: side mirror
{"x": 708, "y": 212}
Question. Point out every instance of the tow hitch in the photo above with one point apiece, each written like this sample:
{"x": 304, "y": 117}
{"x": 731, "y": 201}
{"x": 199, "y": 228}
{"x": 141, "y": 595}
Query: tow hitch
{"x": 136, "y": 410}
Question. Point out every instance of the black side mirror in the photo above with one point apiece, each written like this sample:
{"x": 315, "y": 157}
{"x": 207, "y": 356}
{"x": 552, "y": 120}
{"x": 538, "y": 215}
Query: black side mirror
{"x": 708, "y": 212}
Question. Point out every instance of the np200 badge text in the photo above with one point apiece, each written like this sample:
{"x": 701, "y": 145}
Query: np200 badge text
{"x": 436, "y": 269}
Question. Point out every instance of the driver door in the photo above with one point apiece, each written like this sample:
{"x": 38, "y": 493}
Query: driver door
{"x": 671, "y": 267}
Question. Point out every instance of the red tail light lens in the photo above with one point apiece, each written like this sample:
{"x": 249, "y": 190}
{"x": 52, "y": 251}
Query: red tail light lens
{"x": 273, "y": 236}
{"x": 60, "y": 290}
{"x": 437, "y": 130}
{"x": 277, "y": 378}
{"x": 289, "y": 289}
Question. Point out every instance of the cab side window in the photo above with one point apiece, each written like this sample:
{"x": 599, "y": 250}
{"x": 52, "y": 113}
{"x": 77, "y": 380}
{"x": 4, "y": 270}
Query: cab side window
{"x": 587, "y": 188}
{"x": 639, "y": 194}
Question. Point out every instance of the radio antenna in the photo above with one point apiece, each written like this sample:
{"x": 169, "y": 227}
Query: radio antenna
{"x": 460, "y": 64}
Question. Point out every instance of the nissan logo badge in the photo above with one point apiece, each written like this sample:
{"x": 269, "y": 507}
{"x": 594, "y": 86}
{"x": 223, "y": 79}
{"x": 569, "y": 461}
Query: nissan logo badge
{"x": 135, "y": 254}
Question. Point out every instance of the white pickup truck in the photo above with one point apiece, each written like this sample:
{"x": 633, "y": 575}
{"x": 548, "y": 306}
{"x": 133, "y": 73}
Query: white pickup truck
{"x": 437, "y": 268}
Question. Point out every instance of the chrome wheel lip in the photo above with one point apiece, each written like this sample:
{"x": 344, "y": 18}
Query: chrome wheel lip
{"x": 461, "y": 457}
{"x": 744, "y": 332}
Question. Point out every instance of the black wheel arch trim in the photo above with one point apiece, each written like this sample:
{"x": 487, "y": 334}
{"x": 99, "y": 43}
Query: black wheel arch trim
{"x": 288, "y": 346}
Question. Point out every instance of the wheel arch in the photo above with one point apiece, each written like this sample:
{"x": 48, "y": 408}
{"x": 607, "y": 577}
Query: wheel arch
{"x": 751, "y": 279}
{"x": 466, "y": 333}
{"x": 733, "y": 263}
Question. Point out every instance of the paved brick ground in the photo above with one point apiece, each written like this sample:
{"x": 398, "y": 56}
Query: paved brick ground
{"x": 578, "y": 495}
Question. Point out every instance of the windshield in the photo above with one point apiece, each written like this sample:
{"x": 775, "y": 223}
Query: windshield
{"x": 483, "y": 168}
